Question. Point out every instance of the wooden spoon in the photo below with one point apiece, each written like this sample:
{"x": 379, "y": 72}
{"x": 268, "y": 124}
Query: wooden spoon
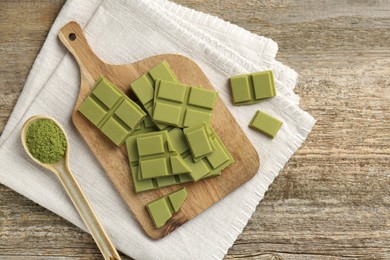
{"x": 62, "y": 170}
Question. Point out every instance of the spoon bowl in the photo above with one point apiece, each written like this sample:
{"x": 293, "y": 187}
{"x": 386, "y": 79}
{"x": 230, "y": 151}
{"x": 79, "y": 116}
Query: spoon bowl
{"x": 50, "y": 166}
{"x": 62, "y": 170}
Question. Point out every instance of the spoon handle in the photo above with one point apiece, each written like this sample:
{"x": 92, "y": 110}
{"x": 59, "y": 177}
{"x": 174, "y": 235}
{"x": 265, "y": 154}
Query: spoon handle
{"x": 87, "y": 214}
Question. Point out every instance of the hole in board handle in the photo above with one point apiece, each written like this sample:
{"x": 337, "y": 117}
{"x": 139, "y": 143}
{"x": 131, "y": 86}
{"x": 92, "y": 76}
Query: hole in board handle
{"x": 72, "y": 37}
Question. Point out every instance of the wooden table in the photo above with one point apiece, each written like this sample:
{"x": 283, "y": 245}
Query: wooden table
{"x": 332, "y": 199}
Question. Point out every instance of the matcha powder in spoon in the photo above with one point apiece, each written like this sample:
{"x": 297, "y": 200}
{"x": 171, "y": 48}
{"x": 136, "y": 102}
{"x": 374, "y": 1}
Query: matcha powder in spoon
{"x": 46, "y": 141}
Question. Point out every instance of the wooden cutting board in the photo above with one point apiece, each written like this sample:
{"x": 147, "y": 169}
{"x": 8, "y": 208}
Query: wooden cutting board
{"x": 202, "y": 194}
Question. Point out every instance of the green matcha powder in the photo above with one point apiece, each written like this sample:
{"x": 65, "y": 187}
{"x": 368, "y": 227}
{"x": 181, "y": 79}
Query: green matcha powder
{"x": 45, "y": 141}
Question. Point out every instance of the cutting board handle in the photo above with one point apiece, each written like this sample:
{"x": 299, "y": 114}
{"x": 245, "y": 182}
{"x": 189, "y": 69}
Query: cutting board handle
{"x": 72, "y": 36}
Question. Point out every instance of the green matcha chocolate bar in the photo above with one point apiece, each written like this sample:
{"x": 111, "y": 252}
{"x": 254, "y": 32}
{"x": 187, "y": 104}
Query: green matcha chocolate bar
{"x": 157, "y": 158}
{"x": 143, "y": 87}
{"x": 162, "y": 209}
{"x": 208, "y": 166}
{"x": 199, "y": 140}
{"x": 145, "y": 165}
{"x": 182, "y": 105}
{"x": 146, "y": 126}
{"x": 114, "y": 113}
{"x": 265, "y": 124}
{"x": 252, "y": 88}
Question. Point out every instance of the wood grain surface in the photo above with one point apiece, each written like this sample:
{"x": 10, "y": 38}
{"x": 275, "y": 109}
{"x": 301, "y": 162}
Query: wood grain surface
{"x": 202, "y": 194}
{"x": 331, "y": 201}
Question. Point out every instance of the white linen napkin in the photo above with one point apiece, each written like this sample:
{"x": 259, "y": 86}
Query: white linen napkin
{"x": 123, "y": 32}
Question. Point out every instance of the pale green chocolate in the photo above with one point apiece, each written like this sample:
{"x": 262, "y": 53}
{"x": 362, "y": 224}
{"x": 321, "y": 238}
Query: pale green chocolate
{"x": 146, "y": 126}
{"x": 157, "y": 158}
{"x": 109, "y": 109}
{"x": 162, "y": 209}
{"x": 252, "y": 88}
{"x": 182, "y": 105}
{"x": 175, "y": 162}
{"x": 177, "y": 198}
{"x": 144, "y": 86}
{"x": 199, "y": 140}
{"x": 265, "y": 124}
{"x": 208, "y": 166}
